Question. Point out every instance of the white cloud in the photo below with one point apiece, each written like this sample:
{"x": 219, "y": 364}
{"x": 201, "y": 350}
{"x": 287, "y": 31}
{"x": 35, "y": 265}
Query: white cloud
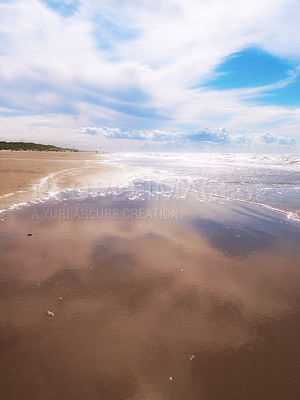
{"x": 220, "y": 136}
{"x": 114, "y": 133}
{"x": 52, "y": 66}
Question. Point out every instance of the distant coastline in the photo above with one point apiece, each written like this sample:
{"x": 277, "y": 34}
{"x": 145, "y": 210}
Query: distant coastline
{"x": 22, "y": 146}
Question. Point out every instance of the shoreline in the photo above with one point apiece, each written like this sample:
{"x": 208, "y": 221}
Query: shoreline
{"x": 36, "y": 175}
{"x": 292, "y": 216}
{"x": 28, "y": 176}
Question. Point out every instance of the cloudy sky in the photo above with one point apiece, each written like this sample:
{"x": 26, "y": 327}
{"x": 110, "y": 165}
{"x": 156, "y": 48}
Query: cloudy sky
{"x": 142, "y": 75}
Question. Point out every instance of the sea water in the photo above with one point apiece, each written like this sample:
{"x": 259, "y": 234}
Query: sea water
{"x": 272, "y": 181}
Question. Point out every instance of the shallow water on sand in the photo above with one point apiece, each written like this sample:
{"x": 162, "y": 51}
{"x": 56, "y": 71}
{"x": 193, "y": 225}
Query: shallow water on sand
{"x": 151, "y": 300}
{"x": 270, "y": 180}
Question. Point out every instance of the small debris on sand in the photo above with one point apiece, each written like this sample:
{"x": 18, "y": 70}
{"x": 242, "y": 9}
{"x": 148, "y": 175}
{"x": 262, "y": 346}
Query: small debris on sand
{"x": 182, "y": 270}
{"x": 192, "y": 357}
{"x": 171, "y": 378}
{"x": 29, "y": 234}
{"x": 50, "y": 313}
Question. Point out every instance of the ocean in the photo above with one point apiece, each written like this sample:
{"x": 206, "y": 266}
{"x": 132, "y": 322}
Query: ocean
{"x": 271, "y": 181}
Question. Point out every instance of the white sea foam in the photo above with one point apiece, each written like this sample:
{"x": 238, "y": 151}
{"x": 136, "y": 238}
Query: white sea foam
{"x": 294, "y": 216}
{"x": 6, "y": 195}
{"x": 268, "y": 180}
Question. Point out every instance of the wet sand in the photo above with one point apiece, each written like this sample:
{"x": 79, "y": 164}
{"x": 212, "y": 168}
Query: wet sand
{"x": 26, "y": 175}
{"x": 151, "y": 300}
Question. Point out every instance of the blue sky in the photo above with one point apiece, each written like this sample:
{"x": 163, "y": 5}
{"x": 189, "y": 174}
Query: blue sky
{"x": 124, "y": 75}
{"x": 251, "y": 67}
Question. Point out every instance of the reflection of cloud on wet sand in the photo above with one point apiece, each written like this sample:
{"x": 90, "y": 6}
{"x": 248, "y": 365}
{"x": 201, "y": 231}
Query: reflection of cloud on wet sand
{"x": 138, "y": 299}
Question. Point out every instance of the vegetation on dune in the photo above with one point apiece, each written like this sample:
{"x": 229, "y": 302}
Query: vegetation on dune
{"x": 31, "y": 147}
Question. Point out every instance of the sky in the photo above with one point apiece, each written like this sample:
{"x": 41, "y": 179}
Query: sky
{"x": 138, "y": 75}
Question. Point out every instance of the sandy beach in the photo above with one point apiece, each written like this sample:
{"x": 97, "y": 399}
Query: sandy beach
{"x": 141, "y": 293}
{"x": 119, "y": 299}
{"x": 25, "y": 176}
